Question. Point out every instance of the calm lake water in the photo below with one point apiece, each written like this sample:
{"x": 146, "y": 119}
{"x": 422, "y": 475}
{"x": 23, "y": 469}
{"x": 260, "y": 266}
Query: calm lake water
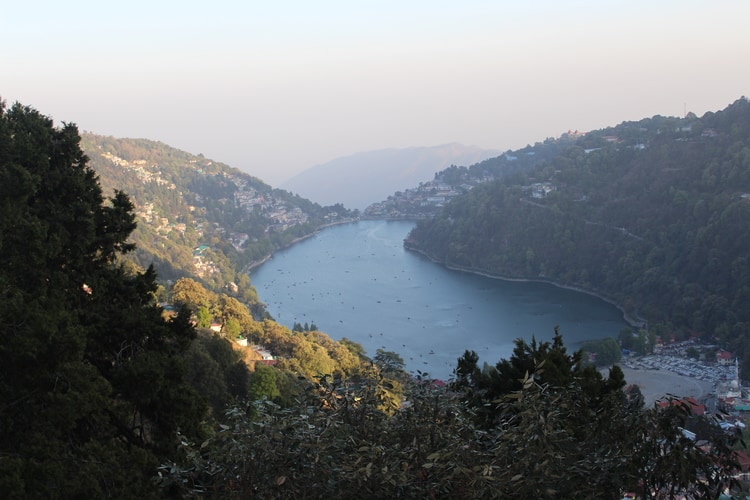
{"x": 358, "y": 281}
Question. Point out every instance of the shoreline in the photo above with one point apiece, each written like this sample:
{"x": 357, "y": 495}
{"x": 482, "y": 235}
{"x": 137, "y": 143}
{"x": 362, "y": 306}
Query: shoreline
{"x": 252, "y": 265}
{"x": 413, "y": 218}
{"x": 635, "y": 322}
{"x": 632, "y": 321}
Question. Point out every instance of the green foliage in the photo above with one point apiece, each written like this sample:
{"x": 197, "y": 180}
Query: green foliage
{"x": 185, "y": 202}
{"x": 413, "y": 206}
{"x": 216, "y": 371}
{"x": 389, "y": 361}
{"x": 233, "y": 316}
{"x": 206, "y": 377}
{"x": 263, "y": 383}
{"x": 658, "y": 222}
{"x": 97, "y": 388}
{"x": 298, "y": 327}
{"x": 190, "y": 293}
{"x": 308, "y": 353}
{"x": 92, "y": 380}
{"x": 203, "y": 317}
{"x": 607, "y": 351}
{"x": 228, "y": 309}
{"x": 545, "y": 363}
{"x": 232, "y": 328}
{"x": 549, "y": 441}
{"x": 354, "y": 348}
{"x": 644, "y": 341}
{"x": 625, "y": 338}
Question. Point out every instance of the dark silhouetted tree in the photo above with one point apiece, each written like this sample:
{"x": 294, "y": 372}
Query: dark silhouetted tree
{"x": 92, "y": 392}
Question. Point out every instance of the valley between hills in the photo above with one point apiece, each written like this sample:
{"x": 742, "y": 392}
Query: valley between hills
{"x": 125, "y": 295}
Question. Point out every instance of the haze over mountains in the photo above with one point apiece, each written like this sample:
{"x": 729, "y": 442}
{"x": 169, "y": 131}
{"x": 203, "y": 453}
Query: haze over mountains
{"x": 103, "y": 395}
{"x": 364, "y": 178}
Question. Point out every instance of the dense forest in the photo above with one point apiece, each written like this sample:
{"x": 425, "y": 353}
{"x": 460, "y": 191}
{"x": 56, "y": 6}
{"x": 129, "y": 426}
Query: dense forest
{"x": 104, "y": 393}
{"x": 653, "y": 215}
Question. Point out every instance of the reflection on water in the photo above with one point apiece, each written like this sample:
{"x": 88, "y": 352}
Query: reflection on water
{"x": 357, "y": 281}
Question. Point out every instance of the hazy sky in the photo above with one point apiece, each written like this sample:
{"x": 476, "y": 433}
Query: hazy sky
{"x": 275, "y": 87}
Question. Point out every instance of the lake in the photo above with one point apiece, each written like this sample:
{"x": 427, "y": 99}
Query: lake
{"x": 357, "y": 281}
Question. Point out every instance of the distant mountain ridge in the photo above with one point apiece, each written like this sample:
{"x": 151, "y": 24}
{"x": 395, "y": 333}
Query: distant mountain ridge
{"x": 363, "y": 178}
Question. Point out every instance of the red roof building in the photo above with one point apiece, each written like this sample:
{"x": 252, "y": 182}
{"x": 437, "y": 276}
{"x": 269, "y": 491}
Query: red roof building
{"x": 695, "y": 407}
{"x": 724, "y": 358}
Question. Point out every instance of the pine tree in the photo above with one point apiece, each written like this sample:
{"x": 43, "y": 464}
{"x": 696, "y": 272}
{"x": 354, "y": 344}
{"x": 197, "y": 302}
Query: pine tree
{"x": 91, "y": 387}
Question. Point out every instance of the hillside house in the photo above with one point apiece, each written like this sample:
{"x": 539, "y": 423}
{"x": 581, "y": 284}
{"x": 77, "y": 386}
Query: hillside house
{"x": 266, "y": 357}
{"x": 541, "y": 189}
{"x": 724, "y": 358}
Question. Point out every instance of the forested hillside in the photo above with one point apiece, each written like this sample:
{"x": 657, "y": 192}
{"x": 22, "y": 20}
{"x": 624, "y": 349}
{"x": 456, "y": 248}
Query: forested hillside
{"x": 429, "y": 197}
{"x": 197, "y": 217}
{"x": 654, "y": 215}
{"x": 105, "y": 394}
{"x": 99, "y": 384}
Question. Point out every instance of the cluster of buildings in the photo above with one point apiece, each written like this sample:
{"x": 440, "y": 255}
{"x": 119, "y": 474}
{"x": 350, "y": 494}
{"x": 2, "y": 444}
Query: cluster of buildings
{"x": 427, "y": 199}
{"x": 421, "y": 201}
{"x": 162, "y": 225}
{"x": 424, "y": 200}
{"x": 202, "y": 265}
{"x": 277, "y": 214}
{"x": 723, "y": 373}
{"x": 281, "y": 216}
{"x": 140, "y": 169}
{"x": 539, "y": 190}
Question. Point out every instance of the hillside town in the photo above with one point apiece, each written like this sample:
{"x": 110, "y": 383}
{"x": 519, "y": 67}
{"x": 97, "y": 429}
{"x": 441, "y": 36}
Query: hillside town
{"x": 423, "y": 201}
{"x": 715, "y": 371}
{"x": 275, "y": 213}
{"x": 278, "y": 213}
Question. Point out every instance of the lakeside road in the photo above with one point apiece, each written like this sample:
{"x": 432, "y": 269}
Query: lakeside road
{"x": 655, "y": 384}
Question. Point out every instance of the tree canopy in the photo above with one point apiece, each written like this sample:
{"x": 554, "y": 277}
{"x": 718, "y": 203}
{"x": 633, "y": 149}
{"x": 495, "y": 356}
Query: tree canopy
{"x": 652, "y": 215}
{"x": 91, "y": 382}
{"x": 101, "y": 396}
{"x": 559, "y": 431}
{"x": 185, "y": 202}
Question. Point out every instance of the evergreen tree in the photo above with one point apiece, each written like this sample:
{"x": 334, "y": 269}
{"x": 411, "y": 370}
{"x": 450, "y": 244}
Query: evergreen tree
{"x": 91, "y": 384}
{"x": 541, "y": 362}
{"x": 580, "y": 439}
